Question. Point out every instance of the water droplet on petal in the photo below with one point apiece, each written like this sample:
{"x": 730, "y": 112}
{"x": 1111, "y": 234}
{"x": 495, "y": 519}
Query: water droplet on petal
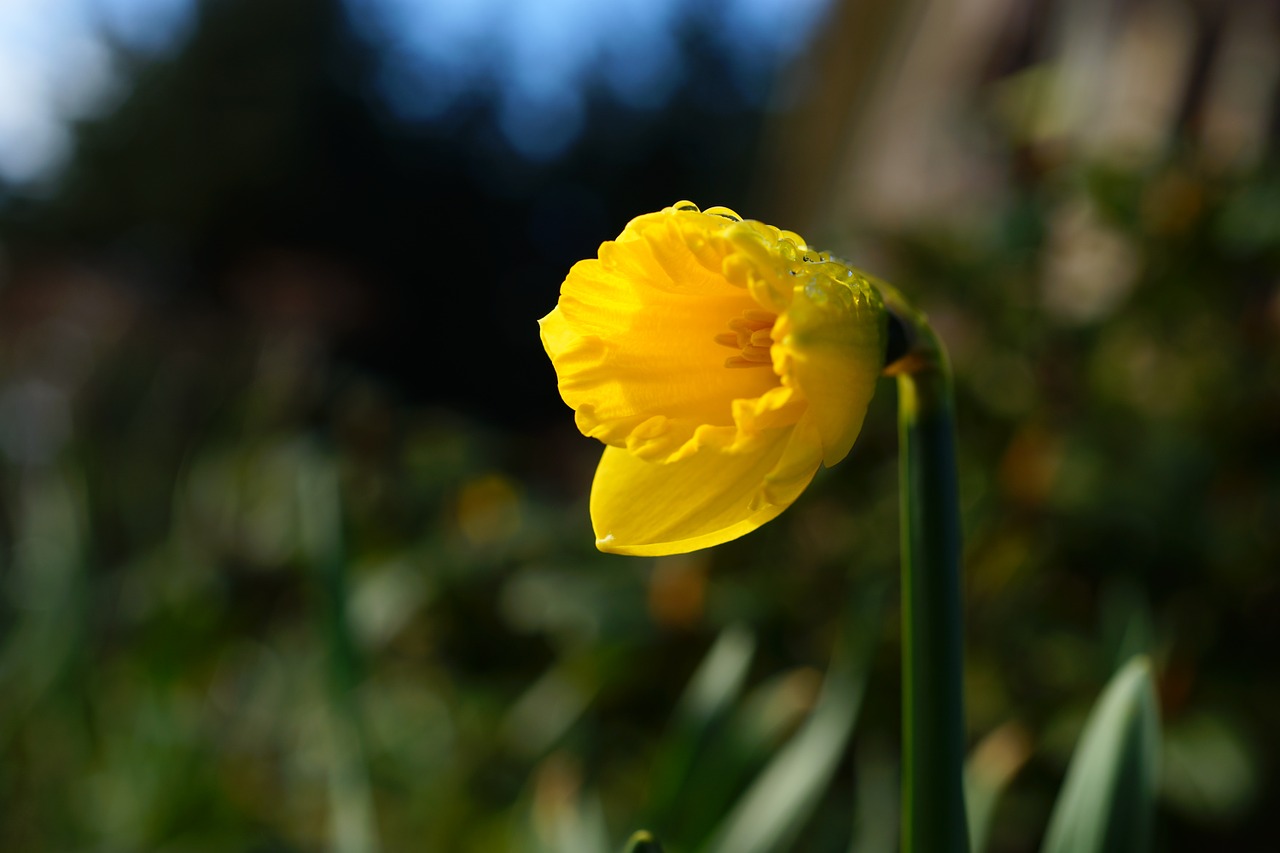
{"x": 724, "y": 212}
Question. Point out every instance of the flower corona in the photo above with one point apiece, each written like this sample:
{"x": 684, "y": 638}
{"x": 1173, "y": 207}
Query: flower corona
{"x": 721, "y": 361}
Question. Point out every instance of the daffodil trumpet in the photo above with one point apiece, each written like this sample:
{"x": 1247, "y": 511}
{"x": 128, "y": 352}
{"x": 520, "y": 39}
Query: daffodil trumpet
{"x": 721, "y": 361}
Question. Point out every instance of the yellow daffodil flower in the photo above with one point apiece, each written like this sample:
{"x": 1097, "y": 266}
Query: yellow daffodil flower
{"x": 721, "y": 361}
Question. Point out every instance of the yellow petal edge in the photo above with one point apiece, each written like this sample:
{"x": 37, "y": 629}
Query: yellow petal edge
{"x": 721, "y": 361}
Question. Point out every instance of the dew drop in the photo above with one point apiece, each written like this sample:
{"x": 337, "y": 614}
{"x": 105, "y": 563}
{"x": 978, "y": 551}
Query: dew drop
{"x": 724, "y": 212}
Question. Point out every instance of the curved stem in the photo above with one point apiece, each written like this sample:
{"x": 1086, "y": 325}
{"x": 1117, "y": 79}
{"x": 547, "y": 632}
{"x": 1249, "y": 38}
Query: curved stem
{"x": 933, "y": 810}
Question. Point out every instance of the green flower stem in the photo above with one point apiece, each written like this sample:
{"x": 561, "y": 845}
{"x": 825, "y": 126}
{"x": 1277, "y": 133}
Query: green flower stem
{"x": 933, "y": 812}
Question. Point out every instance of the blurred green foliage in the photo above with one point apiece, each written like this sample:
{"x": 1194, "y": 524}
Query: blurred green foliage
{"x": 169, "y": 624}
{"x": 252, "y": 599}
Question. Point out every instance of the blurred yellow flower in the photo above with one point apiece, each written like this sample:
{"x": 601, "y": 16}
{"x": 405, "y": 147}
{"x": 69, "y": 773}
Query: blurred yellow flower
{"x": 721, "y": 360}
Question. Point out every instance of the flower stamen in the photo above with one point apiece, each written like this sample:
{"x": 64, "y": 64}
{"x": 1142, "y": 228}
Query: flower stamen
{"x": 751, "y": 335}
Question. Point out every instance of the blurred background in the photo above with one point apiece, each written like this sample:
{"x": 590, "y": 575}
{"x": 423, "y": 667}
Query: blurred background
{"x": 294, "y": 546}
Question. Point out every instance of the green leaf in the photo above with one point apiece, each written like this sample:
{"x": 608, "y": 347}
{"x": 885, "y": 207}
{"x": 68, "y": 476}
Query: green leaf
{"x": 737, "y": 748}
{"x": 774, "y": 809}
{"x": 353, "y": 825}
{"x": 875, "y": 804}
{"x": 707, "y": 699}
{"x": 1107, "y": 799}
{"x": 719, "y": 678}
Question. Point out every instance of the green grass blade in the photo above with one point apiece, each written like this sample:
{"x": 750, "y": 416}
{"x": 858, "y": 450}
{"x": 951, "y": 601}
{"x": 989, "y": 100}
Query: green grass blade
{"x": 1107, "y": 800}
{"x": 719, "y": 677}
{"x": 46, "y": 586}
{"x": 708, "y": 698}
{"x": 774, "y": 809}
{"x": 875, "y": 805}
{"x": 353, "y": 826}
{"x": 736, "y": 749}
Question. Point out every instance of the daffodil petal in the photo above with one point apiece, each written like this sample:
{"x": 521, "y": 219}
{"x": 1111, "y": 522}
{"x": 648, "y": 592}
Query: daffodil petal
{"x": 623, "y": 359}
{"x": 756, "y": 263}
{"x": 830, "y": 346}
{"x": 709, "y": 497}
{"x": 633, "y": 337}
